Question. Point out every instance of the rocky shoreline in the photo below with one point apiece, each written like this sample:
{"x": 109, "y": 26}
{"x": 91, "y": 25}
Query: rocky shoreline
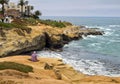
{"x": 16, "y": 41}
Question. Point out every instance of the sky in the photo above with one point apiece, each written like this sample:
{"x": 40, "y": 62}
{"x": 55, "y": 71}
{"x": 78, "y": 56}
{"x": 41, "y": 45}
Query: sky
{"x": 107, "y": 8}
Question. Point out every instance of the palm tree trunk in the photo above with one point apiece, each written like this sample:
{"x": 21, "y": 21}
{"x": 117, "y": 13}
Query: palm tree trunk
{"x": 22, "y": 11}
{"x": 3, "y": 10}
{"x": 28, "y": 11}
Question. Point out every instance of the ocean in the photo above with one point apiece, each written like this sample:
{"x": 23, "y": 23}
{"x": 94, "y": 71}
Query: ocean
{"x": 93, "y": 55}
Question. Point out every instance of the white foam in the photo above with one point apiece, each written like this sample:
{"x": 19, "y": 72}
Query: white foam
{"x": 92, "y": 36}
{"x": 87, "y": 66}
{"x": 51, "y": 54}
{"x": 114, "y": 25}
{"x": 108, "y": 29}
{"x": 108, "y": 33}
{"x": 84, "y": 37}
{"x": 90, "y": 67}
{"x": 95, "y": 26}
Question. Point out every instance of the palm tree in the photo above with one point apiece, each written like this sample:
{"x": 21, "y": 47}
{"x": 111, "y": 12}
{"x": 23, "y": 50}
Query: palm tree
{"x": 2, "y": 2}
{"x": 38, "y": 13}
{"x": 22, "y": 3}
{"x": 29, "y": 8}
{"x": 32, "y": 7}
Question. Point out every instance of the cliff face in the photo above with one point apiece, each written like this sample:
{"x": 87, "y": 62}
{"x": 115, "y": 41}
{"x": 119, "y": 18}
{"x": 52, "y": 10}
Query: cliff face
{"x": 16, "y": 41}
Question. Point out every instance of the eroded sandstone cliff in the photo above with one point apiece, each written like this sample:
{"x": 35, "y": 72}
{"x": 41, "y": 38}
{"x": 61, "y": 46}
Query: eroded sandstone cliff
{"x": 15, "y": 41}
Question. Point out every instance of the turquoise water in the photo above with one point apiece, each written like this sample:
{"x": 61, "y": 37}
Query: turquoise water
{"x": 93, "y": 55}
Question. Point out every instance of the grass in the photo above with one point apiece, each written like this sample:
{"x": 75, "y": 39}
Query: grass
{"x": 15, "y": 66}
{"x": 11, "y": 25}
{"x": 53, "y": 23}
{"x": 22, "y": 23}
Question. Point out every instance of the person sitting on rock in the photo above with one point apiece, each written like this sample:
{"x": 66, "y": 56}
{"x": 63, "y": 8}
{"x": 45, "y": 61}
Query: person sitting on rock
{"x": 34, "y": 56}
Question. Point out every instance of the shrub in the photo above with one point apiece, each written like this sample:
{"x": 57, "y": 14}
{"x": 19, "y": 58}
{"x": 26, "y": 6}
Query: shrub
{"x": 15, "y": 66}
{"x": 53, "y": 23}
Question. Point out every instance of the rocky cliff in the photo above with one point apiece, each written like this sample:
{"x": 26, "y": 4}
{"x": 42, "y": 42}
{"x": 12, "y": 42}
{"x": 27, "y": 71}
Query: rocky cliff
{"x": 16, "y": 41}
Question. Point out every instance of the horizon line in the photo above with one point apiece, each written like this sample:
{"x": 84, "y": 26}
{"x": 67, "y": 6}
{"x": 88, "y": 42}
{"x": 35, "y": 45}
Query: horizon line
{"x": 75, "y": 16}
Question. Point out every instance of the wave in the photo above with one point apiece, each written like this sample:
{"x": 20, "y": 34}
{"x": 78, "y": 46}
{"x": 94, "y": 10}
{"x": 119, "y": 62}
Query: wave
{"x": 92, "y": 36}
{"x": 89, "y": 67}
{"x": 49, "y": 53}
{"x": 84, "y": 37}
{"x": 114, "y": 26}
{"x": 108, "y": 33}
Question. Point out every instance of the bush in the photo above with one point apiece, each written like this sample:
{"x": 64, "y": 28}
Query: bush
{"x": 15, "y": 66}
{"x": 53, "y": 23}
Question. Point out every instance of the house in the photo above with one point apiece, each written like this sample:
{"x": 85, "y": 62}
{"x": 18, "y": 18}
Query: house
{"x": 13, "y": 10}
{"x": 12, "y": 13}
{"x": 12, "y": 6}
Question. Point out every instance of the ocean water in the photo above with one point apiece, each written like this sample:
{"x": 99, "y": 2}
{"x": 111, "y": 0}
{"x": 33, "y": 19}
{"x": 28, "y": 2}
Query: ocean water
{"x": 93, "y": 55}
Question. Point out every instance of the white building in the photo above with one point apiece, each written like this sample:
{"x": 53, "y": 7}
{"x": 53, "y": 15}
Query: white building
{"x": 26, "y": 8}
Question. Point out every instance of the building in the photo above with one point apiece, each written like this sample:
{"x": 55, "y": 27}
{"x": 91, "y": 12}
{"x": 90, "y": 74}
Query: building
{"x": 13, "y": 13}
{"x": 12, "y": 6}
{"x": 13, "y": 10}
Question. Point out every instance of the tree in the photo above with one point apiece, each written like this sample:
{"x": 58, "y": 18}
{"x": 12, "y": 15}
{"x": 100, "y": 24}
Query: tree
{"x": 37, "y": 14}
{"x": 29, "y": 8}
{"x": 32, "y": 7}
{"x": 2, "y": 2}
{"x": 22, "y": 3}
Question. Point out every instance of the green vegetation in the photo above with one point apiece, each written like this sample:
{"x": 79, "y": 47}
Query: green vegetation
{"x": 10, "y": 25}
{"x": 37, "y": 14}
{"x": 15, "y": 66}
{"x": 23, "y": 23}
{"x": 54, "y": 23}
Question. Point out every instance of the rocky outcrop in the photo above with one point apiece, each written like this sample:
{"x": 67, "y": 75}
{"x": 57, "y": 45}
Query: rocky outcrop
{"x": 16, "y": 41}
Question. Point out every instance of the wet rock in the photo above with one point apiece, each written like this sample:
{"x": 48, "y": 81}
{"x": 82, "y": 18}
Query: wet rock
{"x": 48, "y": 66}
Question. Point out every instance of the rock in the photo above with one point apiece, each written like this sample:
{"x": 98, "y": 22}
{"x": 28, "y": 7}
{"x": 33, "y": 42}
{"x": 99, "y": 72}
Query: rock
{"x": 58, "y": 74}
{"x": 16, "y": 43}
{"x": 48, "y": 66}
